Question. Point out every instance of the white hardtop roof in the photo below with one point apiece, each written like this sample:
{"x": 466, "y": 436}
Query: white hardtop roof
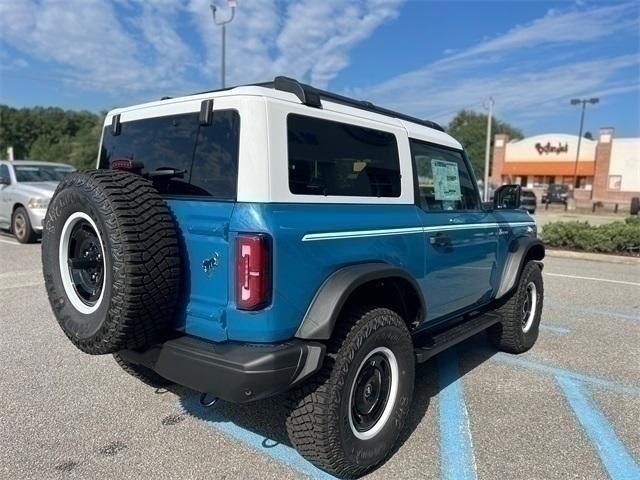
{"x": 414, "y": 130}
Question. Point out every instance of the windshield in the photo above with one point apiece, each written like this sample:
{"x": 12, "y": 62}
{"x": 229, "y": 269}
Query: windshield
{"x": 41, "y": 173}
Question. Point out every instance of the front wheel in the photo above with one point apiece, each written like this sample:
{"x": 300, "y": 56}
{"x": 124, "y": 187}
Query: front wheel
{"x": 21, "y": 226}
{"x": 519, "y": 328}
{"x": 347, "y": 418}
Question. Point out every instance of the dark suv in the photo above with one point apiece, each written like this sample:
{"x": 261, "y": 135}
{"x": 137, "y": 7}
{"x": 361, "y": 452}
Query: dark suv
{"x": 556, "y": 193}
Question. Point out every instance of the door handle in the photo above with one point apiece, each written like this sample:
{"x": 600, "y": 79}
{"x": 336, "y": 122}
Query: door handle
{"x": 439, "y": 239}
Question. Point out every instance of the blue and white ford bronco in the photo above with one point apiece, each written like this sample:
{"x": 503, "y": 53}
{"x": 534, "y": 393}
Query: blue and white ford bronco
{"x": 278, "y": 238}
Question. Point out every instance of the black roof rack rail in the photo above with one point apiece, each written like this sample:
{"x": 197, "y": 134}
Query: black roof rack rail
{"x": 311, "y": 96}
{"x": 361, "y": 104}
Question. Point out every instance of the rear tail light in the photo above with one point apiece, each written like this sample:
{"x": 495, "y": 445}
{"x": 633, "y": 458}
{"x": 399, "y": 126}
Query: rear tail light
{"x": 253, "y": 271}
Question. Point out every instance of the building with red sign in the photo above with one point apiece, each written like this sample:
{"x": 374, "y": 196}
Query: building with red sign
{"x": 607, "y": 171}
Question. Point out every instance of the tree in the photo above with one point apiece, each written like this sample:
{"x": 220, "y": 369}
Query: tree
{"x": 588, "y": 135}
{"x": 51, "y": 134}
{"x": 470, "y": 129}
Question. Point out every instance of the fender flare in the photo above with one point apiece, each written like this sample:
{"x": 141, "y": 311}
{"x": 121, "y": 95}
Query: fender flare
{"x": 322, "y": 314}
{"x": 518, "y": 252}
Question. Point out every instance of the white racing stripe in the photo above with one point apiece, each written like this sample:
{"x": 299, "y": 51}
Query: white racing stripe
{"x": 309, "y": 237}
{"x": 593, "y": 279}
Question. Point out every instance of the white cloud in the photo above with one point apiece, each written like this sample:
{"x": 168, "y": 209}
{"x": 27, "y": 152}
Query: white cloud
{"x": 310, "y": 41}
{"x": 140, "y": 46}
{"x": 504, "y": 68}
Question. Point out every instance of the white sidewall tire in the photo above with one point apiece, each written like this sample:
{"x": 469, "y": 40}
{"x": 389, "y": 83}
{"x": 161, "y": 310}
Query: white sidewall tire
{"x": 65, "y": 274}
{"x": 391, "y": 401}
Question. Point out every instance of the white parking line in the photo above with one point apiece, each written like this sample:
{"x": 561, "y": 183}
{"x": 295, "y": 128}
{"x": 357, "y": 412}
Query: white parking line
{"x": 8, "y": 241}
{"x": 594, "y": 279}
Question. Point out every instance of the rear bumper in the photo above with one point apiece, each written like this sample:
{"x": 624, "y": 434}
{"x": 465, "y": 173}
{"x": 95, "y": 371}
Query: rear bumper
{"x": 235, "y": 372}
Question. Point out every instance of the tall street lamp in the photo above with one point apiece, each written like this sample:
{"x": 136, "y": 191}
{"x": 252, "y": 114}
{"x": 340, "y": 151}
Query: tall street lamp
{"x": 487, "y": 152}
{"x": 578, "y": 101}
{"x": 223, "y": 23}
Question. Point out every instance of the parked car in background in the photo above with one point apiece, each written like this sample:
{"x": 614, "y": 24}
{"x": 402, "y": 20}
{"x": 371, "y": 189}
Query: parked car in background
{"x": 556, "y": 193}
{"x": 528, "y": 201}
{"x": 25, "y": 190}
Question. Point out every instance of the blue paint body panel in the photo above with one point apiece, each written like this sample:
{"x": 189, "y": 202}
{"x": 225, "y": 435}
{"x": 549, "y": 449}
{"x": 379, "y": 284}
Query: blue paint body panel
{"x": 460, "y": 276}
{"x": 203, "y": 228}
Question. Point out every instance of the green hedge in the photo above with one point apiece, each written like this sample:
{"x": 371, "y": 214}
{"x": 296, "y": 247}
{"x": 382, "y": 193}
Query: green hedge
{"x": 614, "y": 237}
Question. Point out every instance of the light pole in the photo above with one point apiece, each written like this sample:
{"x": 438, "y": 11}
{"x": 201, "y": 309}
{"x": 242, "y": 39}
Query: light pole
{"x": 233, "y": 4}
{"x": 578, "y": 101}
{"x": 486, "y": 152}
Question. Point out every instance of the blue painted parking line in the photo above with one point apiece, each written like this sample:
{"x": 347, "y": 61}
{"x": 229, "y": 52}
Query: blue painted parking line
{"x": 457, "y": 461}
{"x": 595, "y": 312}
{"x": 555, "y": 371}
{"x": 554, "y": 329}
{"x": 266, "y": 446}
{"x": 612, "y": 452}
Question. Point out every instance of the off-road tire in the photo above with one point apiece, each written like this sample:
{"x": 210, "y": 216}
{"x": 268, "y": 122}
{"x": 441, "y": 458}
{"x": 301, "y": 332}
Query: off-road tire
{"x": 29, "y": 235}
{"x": 141, "y": 261}
{"x": 318, "y": 423}
{"x": 144, "y": 374}
{"x": 509, "y": 335}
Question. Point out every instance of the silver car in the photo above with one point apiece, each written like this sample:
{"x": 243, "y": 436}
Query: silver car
{"x": 25, "y": 190}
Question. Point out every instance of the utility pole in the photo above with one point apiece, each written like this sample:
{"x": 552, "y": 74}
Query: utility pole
{"x": 487, "y": 153}
{"x": 223, "y": 23}
{"x": 578, "y": 101}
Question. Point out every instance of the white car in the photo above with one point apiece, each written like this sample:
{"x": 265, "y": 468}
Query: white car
{"x": 25, "y": 190}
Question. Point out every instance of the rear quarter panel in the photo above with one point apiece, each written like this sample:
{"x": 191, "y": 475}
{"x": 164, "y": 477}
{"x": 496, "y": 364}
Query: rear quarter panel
{"x": 301, "y": 266}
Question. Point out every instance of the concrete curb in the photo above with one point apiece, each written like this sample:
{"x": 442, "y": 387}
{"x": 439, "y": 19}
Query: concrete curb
{"x": 594, "y": 257}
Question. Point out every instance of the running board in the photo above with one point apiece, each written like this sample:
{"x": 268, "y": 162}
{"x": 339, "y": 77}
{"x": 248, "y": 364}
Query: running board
{"x": 433, "y": 344}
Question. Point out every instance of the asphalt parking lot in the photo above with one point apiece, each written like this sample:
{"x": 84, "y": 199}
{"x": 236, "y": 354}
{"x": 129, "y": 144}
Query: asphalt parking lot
{"x": 569, "y": 408}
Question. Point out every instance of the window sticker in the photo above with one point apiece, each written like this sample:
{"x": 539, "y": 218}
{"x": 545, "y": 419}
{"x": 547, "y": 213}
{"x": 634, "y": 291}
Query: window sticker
{"x": 446, "y": 180}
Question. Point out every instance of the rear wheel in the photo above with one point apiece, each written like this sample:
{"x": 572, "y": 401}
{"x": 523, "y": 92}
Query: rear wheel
{"x": 21, "y": 226}
{"x": 519, "y": 328}
{"x": 348, "y": 417}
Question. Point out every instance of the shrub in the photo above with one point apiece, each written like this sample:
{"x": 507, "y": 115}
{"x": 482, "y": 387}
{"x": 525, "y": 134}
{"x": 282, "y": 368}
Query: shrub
{"x": 614, "y": 237}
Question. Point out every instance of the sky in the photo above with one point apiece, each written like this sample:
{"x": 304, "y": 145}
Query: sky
{"x": 425, "y": 58}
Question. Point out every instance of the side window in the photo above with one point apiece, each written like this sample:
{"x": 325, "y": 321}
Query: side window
{"x": 444, "y": 181}
{"x": 332, "y": 158}
{"x": 4, "y": 172}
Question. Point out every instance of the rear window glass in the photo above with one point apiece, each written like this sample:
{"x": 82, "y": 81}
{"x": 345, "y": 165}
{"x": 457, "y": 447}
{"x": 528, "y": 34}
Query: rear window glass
{"x": 331, "y": 158}
{"x": 208, "y": 154}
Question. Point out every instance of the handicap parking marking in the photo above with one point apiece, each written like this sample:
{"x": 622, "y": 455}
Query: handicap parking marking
{"x": 213, "y": 417}
{"x": 556, "y": 371}
{"x": 619, "y": 464}
{"x": 457, "y": 461}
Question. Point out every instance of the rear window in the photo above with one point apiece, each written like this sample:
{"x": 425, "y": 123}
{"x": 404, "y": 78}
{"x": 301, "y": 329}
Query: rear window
{"x": 332, "y": 158}
{"x": 208, "y": 154}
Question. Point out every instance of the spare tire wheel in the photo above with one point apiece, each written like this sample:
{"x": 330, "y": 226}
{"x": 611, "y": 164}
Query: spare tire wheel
{"x": 111, "y": 263}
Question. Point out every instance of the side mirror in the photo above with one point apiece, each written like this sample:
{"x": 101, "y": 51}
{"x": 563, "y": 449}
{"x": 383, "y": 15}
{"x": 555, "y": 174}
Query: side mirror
{"x": 507, "y": 196}
{"x": 5, "y": 181}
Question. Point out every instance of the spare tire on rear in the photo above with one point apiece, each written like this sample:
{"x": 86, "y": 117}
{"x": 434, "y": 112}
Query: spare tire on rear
{"x": 110, "y": 258}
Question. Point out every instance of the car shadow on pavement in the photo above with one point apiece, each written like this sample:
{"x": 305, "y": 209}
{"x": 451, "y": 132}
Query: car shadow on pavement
{"x": 266, "y": 418}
